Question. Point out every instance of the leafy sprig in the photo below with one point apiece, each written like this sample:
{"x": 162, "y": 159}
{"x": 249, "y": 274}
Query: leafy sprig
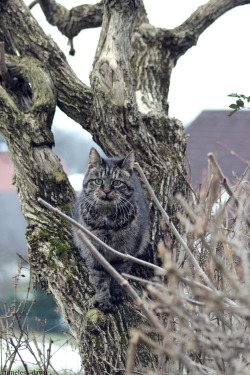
{"x": 239, "y": 104}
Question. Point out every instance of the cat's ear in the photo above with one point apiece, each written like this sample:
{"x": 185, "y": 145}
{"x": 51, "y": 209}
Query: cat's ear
{"x": 128, "y": 162}
{"x": 95, "y": 159}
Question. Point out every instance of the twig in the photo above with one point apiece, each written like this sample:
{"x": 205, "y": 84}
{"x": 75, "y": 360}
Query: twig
{"x": 233, "y": 153}
{"x": 170, "y": 351}
{"x": 96, "y": 239}
{"x": 147, "y": 282}
{"x": 21, "y": 257}
{"x": 227, "y": 186}
{"x": 7, "y": 316}
{"x": 173, "y": 228}
{"x": 33, "y": 3}
{"x": 121, "y": 281}
{"x": 16, "y": 350}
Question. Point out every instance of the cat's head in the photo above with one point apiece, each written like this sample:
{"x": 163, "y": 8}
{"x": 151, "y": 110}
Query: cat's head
{"x": 109, "y": 181}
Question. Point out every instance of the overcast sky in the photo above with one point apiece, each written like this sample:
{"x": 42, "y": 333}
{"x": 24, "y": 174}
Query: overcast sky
{"x": 202, "y": 78}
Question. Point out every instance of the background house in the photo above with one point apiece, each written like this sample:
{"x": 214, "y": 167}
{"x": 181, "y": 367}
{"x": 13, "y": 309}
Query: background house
{"x": 227, "y": 137}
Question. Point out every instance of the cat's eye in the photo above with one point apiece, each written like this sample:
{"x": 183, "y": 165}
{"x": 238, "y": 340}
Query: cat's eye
{"x": 98, "y": 181}
{"x": 116, "y": 183}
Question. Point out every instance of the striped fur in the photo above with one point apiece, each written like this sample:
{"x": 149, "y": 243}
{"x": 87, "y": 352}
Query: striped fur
{"x": 112, "y": 206}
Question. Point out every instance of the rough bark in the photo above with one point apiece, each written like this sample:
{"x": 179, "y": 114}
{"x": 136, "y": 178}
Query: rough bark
{"x": 125, "y": 108}
{"x": 23, "y": 35}
{"x": 71, "y": 22}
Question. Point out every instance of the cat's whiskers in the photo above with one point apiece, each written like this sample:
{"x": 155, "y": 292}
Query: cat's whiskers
{"x": 116, "y": 210}
{"x": 88, "y": 204}
{"x": 125, "y": 202}
{"x": 124, "y": 211}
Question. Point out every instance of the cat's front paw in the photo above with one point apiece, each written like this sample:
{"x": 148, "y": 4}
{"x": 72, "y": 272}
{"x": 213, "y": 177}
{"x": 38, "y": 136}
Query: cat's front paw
{"x": 104, "y": 305}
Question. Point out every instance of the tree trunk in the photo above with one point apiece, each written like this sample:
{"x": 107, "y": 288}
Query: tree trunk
{"x": 125, "y": 109}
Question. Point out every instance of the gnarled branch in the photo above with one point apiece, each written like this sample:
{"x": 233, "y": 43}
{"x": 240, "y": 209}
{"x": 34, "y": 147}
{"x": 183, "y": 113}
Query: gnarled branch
{"x": 27, "y": 38}
{"x": 71, "y": 22}
{"x": 189, "y": 31}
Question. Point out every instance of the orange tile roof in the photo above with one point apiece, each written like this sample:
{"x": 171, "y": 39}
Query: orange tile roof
{"x": 6, "y": 174}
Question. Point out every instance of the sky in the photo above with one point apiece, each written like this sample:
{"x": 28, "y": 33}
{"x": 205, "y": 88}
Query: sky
{"x": 217, "y": 66}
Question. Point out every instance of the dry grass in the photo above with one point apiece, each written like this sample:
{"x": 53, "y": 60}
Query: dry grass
{"x": 206, "y": 328}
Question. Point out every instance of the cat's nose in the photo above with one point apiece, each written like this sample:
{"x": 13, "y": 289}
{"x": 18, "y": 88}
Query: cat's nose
{"x": 106, "y": 189}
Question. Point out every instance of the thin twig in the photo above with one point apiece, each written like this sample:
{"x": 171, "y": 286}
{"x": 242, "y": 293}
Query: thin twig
{"x": 227, "y": 186}
{"x": 96, "y": 239}
{"x": 19, "y": 355}
{"x": 173, "y": 228}
{"x": 33, "y": 3}
{"x": 170, "y": 351}
{"x": 21, "y": 257}
{"x": 157, "y": 285}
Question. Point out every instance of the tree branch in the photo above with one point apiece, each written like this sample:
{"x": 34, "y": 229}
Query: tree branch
{"x": 19, "y": 355}
{"x": 227, "y": 187}
{"x": 71, "y": 22}
{"x": 189, "y": 31}
{"x": 27, "y": 38}
{"x": 157, "y": 50}
{"x": 112, "y": 79}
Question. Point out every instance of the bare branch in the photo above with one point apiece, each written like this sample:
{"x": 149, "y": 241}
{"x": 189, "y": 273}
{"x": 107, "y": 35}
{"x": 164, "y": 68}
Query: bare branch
{"x": 158, "y": 285}
{"x": 173, "y": 228}
{"x": 19, "y": 355}
{"x": 71, "y": 22}
{"x": 227, "y": 186}
{"x": 33, "y": 3}
{"x": 169, "y": 351}
{"x": 28, "y": 39}
{"x": 190, "y": 30}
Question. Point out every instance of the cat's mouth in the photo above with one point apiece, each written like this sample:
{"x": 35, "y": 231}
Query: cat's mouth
{"x": 106, "y": 198}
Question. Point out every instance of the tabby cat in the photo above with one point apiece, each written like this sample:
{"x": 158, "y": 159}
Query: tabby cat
{"x": 112, "y": 206}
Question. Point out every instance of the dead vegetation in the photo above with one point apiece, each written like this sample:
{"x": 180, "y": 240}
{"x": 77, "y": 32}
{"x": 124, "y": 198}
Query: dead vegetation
{"x": 206, "y": 325}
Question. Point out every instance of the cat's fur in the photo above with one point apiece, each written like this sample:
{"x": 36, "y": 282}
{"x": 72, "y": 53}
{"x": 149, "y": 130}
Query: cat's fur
{"x": 118, "y": 215}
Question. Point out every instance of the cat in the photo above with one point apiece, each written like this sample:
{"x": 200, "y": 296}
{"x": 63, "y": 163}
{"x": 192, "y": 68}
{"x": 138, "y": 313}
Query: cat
{"x": 112, "y": 206}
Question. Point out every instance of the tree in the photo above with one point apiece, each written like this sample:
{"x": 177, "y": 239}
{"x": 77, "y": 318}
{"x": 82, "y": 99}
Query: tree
{"x": 125, "y": 108}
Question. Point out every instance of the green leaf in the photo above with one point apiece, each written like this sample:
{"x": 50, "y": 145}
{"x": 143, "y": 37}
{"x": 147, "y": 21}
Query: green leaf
{"x": 234, "y": 106}
{"x": 234, "y": 95}
{"x": 240, "y": 103}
